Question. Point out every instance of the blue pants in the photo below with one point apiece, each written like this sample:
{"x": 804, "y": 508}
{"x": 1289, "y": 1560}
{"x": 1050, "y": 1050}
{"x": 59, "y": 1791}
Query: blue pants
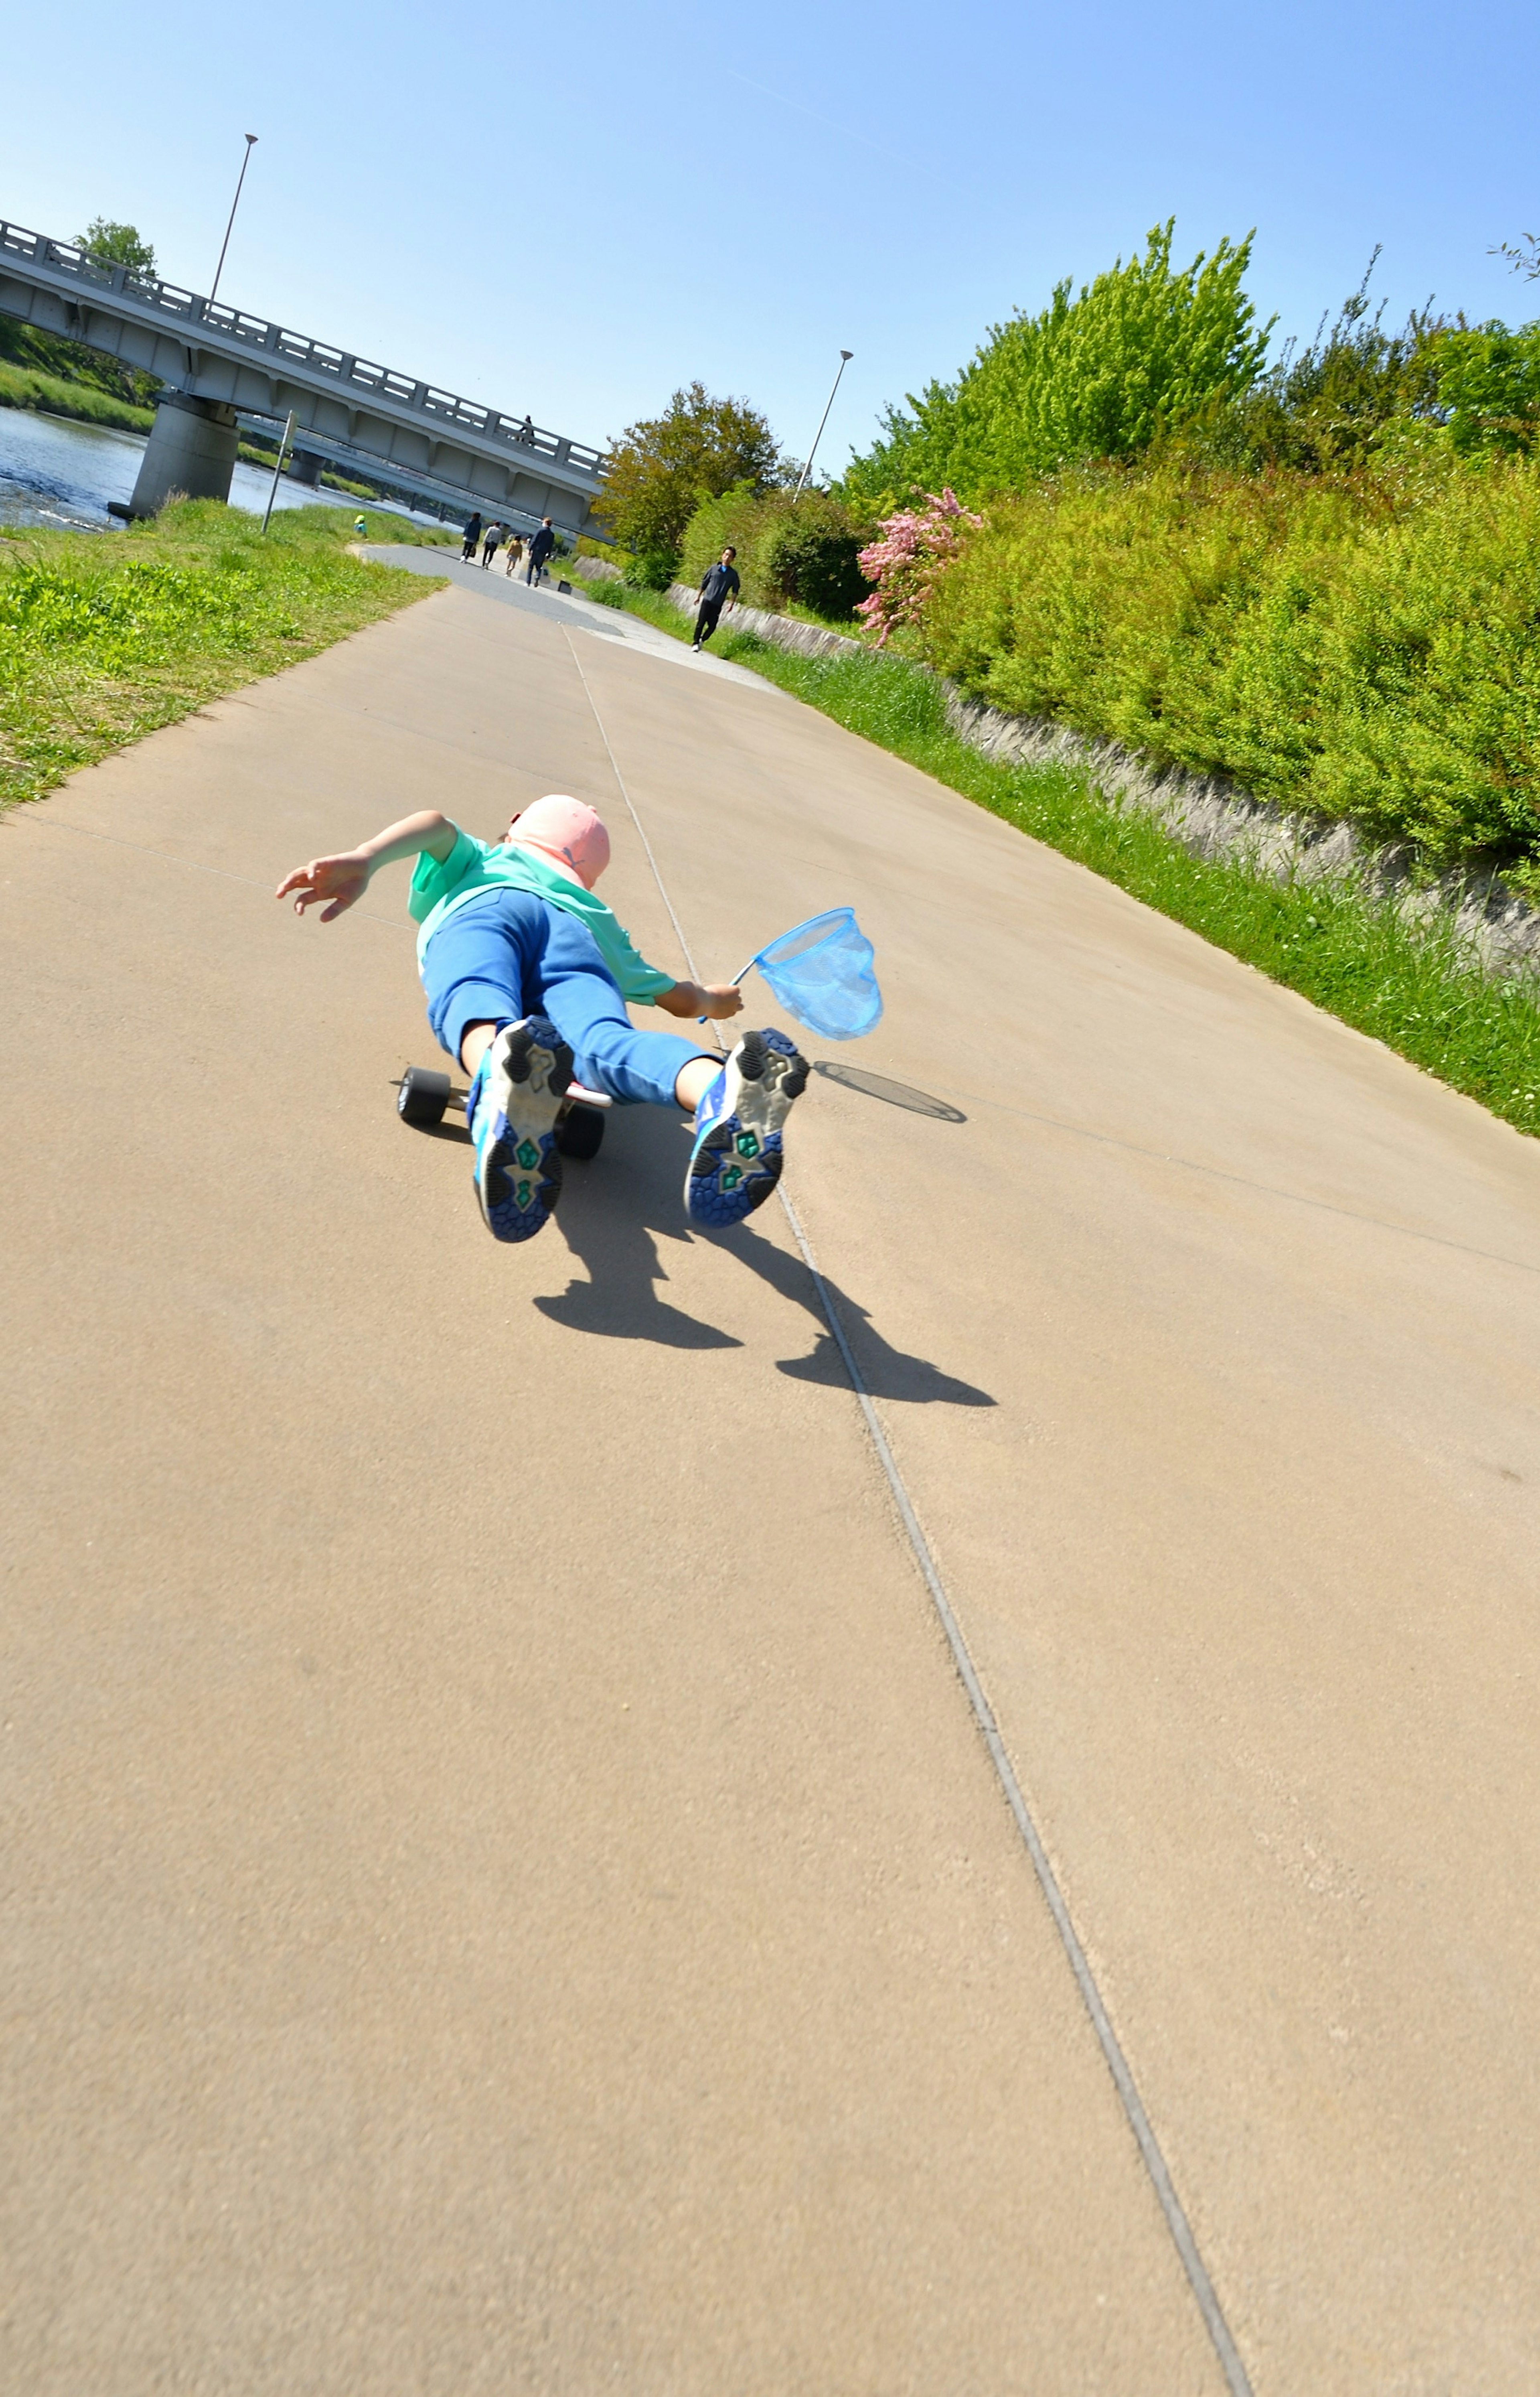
{"x": 509, "y": 954}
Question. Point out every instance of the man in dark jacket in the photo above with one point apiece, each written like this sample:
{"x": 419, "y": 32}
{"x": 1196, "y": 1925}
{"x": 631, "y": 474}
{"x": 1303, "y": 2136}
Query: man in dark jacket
{"x": 541, "y": 547}
{"x": 473, "y": 534}
{"x": 719, "y": 587}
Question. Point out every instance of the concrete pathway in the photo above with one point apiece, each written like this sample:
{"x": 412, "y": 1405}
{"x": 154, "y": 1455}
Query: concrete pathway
{"x": 572, "y": 607}
{"x": 505, "y": 1888}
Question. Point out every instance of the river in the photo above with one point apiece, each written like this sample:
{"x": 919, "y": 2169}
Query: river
{"x": 61, "y": 474}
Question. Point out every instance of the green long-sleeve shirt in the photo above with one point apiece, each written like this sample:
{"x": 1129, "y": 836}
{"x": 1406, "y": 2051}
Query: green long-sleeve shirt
{"x": 472, "y": 867}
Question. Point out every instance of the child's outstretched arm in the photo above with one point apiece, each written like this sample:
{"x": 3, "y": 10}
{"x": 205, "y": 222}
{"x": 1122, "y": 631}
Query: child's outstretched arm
{"x": 333, "y": 883}
{"x": 713, "y": 999}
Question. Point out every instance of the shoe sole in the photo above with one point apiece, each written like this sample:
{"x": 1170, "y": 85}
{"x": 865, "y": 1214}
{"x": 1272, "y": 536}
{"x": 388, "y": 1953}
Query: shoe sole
{"x": 518, "y": 1173}
{"x": 736, "y": 1165}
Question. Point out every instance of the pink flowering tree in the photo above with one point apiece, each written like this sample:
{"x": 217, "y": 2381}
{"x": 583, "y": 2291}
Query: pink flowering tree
{"x": 915, "y": 544}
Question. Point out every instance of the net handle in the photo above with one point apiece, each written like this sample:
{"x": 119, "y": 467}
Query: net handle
{"x": 754, "y": 961}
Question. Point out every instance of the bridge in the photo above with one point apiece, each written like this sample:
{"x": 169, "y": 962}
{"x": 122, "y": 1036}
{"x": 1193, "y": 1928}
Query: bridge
{"x": 215, "y": 360}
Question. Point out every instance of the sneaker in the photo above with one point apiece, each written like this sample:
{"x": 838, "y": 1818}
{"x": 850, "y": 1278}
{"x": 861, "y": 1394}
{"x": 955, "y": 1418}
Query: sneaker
{"x": 512, "y": 1110}
{"x": 736, "y": 1157}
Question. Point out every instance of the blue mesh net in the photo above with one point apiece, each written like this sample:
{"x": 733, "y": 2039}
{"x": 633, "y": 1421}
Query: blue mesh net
{"x": 821, "y": 972}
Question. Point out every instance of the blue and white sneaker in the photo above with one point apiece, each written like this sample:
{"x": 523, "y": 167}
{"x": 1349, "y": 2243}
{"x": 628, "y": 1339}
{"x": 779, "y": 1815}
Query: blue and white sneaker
{"x": 736, "y": 1157}
{"x": 512, "y": 1106}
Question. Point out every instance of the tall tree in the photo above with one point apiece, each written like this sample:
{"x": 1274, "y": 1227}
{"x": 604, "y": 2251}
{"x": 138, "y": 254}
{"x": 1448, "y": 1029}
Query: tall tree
{"x": 106, "y": 244}
{"x": 662, "y": 468}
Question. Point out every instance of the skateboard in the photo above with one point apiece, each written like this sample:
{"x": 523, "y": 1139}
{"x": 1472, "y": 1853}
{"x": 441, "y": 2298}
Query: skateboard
{"x": 423, "y": 1096}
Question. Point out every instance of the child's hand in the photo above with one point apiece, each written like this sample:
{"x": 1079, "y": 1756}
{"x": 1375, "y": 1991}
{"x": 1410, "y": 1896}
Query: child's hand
{"x": 722, "y": 999}
{"x": 336, "y": 882}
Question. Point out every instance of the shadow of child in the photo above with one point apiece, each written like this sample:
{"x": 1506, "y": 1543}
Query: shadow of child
{"x": 606, "y": 1210}
{"x": 613, "y": 1214}
{"x": 886, "y": 1371}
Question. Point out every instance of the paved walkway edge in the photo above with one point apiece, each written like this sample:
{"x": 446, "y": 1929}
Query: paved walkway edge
{"x": 1106, "y": 2037}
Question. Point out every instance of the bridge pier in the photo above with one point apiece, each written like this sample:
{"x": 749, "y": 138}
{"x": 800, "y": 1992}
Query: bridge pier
{"x": 305, "y": 467}
{"x": 192, "y": 444}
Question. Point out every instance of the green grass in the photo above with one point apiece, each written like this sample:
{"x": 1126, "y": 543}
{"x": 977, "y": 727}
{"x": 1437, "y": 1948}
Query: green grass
{"x": 26, "y": 387}
{"x": 106, "y": 637}
{"x": 1419, "y": 988}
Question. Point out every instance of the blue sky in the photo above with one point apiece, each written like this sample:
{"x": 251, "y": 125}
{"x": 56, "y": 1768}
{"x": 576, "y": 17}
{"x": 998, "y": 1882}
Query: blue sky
{"x": 574, "y": 209}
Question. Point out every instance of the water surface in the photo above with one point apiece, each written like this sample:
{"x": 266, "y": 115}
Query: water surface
{"x": 56, "y": 471}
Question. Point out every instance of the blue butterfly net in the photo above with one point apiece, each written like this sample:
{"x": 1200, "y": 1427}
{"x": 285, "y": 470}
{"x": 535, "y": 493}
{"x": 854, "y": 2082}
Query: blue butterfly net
{"x": 821, "y": 972}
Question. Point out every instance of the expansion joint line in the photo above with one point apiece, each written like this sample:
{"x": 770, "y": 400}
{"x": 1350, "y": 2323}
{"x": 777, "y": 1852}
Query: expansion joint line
{"x": 1085, "y": 1980}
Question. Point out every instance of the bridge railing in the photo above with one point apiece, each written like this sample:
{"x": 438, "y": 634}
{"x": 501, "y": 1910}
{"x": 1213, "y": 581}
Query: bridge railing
{"x": 189, "y": 307}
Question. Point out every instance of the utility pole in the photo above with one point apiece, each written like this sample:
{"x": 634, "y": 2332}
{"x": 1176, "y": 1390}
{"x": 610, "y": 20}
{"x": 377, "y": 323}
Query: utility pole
{"x": 250, "y": 145}
{"x": 845, "y": 357}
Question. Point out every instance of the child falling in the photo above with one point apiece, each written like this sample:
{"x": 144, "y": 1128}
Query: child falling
{"x": 527, "y": 974}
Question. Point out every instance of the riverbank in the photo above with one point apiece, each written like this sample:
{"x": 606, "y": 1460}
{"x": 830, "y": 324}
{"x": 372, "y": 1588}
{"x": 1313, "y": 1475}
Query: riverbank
{"x": 1412, "y": 980}
{"x": 52, "y": 396}
{"x": 109, "y": 636}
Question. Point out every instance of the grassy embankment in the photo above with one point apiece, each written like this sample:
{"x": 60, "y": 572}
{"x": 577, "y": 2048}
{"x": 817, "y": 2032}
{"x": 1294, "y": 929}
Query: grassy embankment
{"x": 106, "y": 637}
{"x": 51, "y": 394}
{"x": 61, "y": 378}
{"x": 1416, "y": 986}
{"x": 53, "y": 377}
{"x": 84, "y": 403}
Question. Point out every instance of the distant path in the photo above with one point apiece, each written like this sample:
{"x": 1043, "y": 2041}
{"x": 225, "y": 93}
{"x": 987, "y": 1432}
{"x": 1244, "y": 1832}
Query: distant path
{"x": 571, "y": 608}
{"x": 505, "y": 1890}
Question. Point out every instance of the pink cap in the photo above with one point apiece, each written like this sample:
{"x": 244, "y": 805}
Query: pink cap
{"x": 571, "y": 835}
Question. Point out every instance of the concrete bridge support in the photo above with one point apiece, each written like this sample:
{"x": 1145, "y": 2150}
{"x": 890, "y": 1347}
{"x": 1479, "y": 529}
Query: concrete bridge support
{"x": 191, "y": 449}
{"x": 305, "y": 467}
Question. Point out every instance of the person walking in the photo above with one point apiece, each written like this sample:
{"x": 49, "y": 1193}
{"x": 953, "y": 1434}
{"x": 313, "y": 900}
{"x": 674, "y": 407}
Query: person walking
{"x": 718, "y": 589}
{"x": 473, "y": 534}
{"x": 492, "y": 543}
{"x": 513, "y": 554}
{"x": 540, "y": 548}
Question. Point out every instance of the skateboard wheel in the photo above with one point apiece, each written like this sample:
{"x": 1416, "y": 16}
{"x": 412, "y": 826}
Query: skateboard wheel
{"x": 422, "y": 1096}
{"x": 580, "y": 1131}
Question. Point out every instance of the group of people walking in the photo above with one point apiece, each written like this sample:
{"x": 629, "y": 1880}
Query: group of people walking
{"x": 534, "y": 554}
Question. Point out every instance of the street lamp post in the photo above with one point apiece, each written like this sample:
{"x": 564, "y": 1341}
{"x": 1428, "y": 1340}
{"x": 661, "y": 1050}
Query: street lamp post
{"x": 845, "y": 357}
{"x": 250, "y": 145}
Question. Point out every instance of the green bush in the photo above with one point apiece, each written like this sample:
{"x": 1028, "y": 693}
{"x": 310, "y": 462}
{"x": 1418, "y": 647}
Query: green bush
{"x": 1337, "y": 402}
{"x": 737, "y": 516}
{"x": 808, "y": 556}
{"x": 651, "y": 570}
{"x": 1141, "y": 349}
{"x": 1489, "y": 384}
{"x": 1363, "y": 645}
{"x": 791, "y": 551}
